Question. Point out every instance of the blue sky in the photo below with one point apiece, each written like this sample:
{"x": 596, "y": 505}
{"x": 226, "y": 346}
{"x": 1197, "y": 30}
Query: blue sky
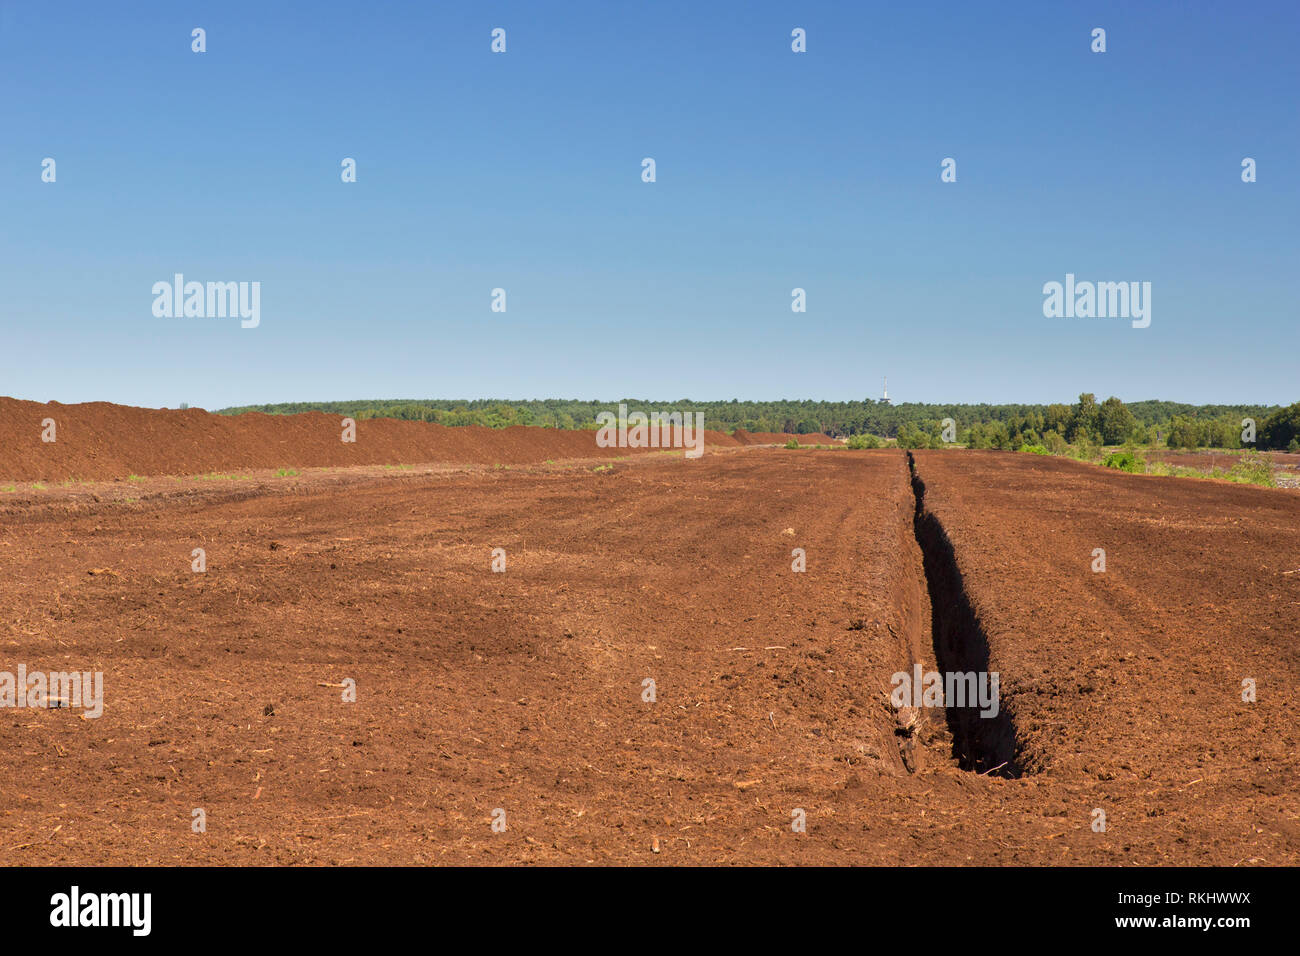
{"x": 522, "y": 170}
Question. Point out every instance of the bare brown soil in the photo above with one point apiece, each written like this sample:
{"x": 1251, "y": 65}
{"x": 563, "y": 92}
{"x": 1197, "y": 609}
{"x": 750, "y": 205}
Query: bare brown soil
{"x": 98, "y": 440}
{"x": 1126, "y": 685}
{"x": 523, "y": 691}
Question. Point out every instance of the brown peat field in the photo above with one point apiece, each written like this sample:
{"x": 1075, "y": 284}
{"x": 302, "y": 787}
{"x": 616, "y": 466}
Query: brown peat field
{"x": 313, "y": 655}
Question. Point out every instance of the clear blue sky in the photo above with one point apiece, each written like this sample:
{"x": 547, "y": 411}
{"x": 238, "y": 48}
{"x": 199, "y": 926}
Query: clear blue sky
{"x": 523, "y": 171}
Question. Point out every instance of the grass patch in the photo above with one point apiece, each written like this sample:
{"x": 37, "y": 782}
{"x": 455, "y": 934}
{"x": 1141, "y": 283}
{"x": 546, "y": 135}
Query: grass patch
{"x": 1253, "y": 469}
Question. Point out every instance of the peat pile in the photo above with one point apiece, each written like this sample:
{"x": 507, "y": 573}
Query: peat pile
{"x": 100, "y": 440}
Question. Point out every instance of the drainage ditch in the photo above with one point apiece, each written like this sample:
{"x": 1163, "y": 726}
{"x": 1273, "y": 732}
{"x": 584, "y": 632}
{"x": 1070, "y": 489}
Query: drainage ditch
{"x": 981, "y": 744}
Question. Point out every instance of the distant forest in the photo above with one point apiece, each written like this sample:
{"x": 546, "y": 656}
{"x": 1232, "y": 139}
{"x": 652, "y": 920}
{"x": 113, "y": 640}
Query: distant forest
{"x": 1110, "y": 422}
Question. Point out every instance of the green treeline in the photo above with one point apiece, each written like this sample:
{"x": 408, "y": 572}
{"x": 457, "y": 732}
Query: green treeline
{"x": 915, "y": 424}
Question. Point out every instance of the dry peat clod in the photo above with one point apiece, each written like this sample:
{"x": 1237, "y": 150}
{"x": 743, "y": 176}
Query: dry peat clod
{"x": 911, "y": 757}
{"x": 906, "y": 722}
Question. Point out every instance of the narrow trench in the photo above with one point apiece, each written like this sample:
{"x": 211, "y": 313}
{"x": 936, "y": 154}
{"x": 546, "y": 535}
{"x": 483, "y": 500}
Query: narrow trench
{"x": 981, "y": 744}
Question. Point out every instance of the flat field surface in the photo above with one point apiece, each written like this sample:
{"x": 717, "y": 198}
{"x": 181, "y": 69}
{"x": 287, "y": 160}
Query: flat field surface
{"x": 525, "y": 691}
{"x": 1129, "y": 681}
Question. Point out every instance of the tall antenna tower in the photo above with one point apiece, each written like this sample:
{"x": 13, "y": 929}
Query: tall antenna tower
{"x": 884, "y": 398}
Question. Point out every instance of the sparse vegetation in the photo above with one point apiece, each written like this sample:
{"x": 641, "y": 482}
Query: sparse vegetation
{"x": 1253, "y": 469}
{"x": 1126, "y": 460}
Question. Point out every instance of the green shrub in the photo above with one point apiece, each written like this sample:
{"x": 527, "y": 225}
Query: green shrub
{"x": 1085, "y": 449}
{"x": 913, "y": 436}
{"x": 1253, "y": 469}
{"x": 792, "y": 444}
{"x": 1034, "y": 450}
{"x": 863, "y": 440}
{"x": 1129, "y": 461}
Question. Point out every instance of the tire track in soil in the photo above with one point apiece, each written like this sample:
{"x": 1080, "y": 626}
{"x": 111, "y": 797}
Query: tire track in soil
{"x": 984, "y": 745}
